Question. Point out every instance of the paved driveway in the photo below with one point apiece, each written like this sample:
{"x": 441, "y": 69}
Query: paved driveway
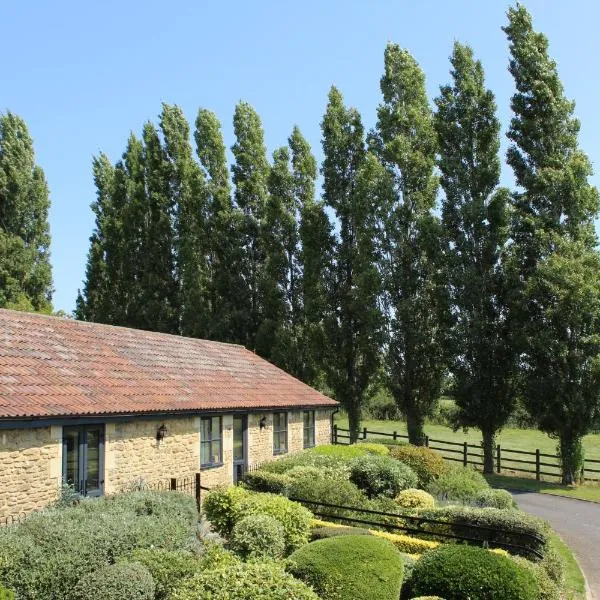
{"x": 577, "y": 522}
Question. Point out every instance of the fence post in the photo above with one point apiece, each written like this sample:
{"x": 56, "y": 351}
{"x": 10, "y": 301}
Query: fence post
{"x": 364, "y": 433}
{"x": 197, "y": 491}
{"x": 465, "y": 454}
{"x": 537, "y": 465}
{"x": 426, "y": 441}
{"x": 173, "y": 484}
{"x": 498, "y": 459}
{"x": 395, "y": 435}
{"x": 335, "y": 435}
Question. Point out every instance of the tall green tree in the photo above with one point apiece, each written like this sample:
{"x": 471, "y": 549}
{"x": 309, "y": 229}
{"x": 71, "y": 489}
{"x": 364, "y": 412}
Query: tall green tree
{"x": 405, "y": 142}
{"x": 475, "y": 219}
{"x": 316, "y": 244}
{"x": 554, "y": 249}
{"x": 25, "y": 271}
{"x": 189, "y": 196}
{"x": 250, "y": 176}
{"x": 159, "y": 302}
{"x": 223, "y": 235}
{"x": 351, "y": 180}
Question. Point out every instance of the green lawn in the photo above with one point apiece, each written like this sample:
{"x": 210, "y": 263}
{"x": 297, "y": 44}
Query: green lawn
{"x": 574, "y": 580}
{"x": 515, "y": 439}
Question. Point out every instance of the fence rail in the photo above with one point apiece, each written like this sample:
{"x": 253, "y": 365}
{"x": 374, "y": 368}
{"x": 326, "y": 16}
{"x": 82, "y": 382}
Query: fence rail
{"x": 471, "y": 454}
{"x": 489, "y": 536}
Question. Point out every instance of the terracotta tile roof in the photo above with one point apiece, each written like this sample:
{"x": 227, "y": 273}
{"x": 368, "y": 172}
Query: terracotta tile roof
{"x": 59, "y": 367}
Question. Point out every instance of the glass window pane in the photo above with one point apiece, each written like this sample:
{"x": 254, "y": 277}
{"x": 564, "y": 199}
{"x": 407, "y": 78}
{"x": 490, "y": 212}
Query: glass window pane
{"x": 238, "y": 438}
{"x": 72, "y": 461}
{"x": 205, "y": 429}
{"x": 93, "y": 460}
{"x": 216, "y": 428}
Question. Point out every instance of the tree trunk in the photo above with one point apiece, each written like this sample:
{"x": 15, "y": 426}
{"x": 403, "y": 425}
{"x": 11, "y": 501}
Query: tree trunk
{"x": 571, "y": 457}
{"x": 415, "y": 423}
{"x": 354, "y": 422}
{"x": 489, "y": 443}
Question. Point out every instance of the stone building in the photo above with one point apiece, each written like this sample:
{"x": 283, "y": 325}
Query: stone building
{"x": 99, "y": 407}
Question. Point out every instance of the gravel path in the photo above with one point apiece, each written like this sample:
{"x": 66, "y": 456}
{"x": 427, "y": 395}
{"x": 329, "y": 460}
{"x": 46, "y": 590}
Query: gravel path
{"x": 577, "y": 522}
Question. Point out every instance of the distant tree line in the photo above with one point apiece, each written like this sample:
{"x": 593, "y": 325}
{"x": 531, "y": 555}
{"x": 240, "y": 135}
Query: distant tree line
{"x": 411, "y": 266}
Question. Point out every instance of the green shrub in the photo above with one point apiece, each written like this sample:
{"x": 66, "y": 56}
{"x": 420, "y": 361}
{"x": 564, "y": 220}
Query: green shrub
{"x": 293, "y": 516}
{"x": 409, "y": 563}
{"x": 6, "y": 594}
{"x": 381, "y": 476}
{"x": 265, "y": 481}
{"x": 214, "y": 556}
{"x": 167, "y": 567}
{"x": 525, "y": 533}
{"x": 244, "y": 581}
{"x": 548, "y": 589}
{"x": 308, "y": 458}
{"x": 350, "y": 568}
{"x": 258, "y": 536}
{"x": 459, "y": 483}
{"x": 415, "y": 499}
{"x": 494, "y": 499}
{"x": 554, "y": 564}
{"x": 425, "y": 462}
{"x": 47, "y": 554}
{"x": 349, "y": 452}
{"x": 328, "y": 491}
{"x": 321, "y": 533}
{"x": 221, "y": 507}
{"x": 115, "y": 582}
{"x": 459, "y": 572}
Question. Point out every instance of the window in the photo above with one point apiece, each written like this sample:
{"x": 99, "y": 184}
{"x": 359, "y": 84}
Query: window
{"x": 211, "y": 434}
{"x": 309, "y": 428}
{"x": 279, "y": 433}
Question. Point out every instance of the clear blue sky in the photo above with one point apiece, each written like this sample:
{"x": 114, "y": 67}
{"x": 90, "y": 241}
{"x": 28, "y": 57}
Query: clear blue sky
{"x": 83, "y": 74}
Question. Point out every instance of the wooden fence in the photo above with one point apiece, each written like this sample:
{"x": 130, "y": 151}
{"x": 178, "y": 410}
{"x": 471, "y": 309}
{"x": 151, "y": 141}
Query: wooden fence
{"x": 507, "y": 460}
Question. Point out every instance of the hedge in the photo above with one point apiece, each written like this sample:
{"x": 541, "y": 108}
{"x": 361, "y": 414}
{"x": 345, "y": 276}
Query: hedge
{"x": 381, "y": 475}
{"x": 258, "y": 537}
{"x": 415, "y": 499}
{"x": 459, "y": 572}
{"x": 350, "y": 568}
{"x": 406, "y": 543}
{"x": 459, "y": 483}
{"x": 265, "y": 481}
{"x": 426, "y": 463}
{"x": 47, "y": 554}
{"x": 244, "y": 581}
{"x": 513, "y": 530}
{"x": 116, "y": 582}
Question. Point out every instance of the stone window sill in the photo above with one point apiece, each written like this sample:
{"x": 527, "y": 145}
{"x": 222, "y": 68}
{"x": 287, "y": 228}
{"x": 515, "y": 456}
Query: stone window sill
{"x": 211, "y": 466}
{"x": 279, "y": 452}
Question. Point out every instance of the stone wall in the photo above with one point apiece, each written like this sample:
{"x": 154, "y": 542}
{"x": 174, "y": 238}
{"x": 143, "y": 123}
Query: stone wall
{"x": 30, "y": 469}
{"x": 31, "y": 459}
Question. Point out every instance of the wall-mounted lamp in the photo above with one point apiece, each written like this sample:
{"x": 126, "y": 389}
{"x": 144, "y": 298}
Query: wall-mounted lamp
{"x": 161, "y": 433}
{"x": 263, "y": 422}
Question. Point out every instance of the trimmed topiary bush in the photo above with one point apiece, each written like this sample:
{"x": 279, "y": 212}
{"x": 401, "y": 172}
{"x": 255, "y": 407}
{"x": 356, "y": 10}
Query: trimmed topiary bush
{"x": 549, "y": 590}
{"x": 258, "y": 536}
{"x": 381, "y": 476}
{"x": 425, "y": 462}
{"x": 413, "y": 498}
{"x": 459, "y": 483}
{"x": 115, "y": 582}
{"x": 494, "y": 499}
{"x": 294, "y": 518}
{"x": 244, "y": 581}
{"x": 222, "y": 506}
{"x": 265, "y": 481}
{"x": 510, "y": 529}
{"x": 324, "y": 532}
{"x": 167, "y": 567}
{"x": 349, "y": 452}
{"x": 406, "y": 543}
{"x": 350, "y": 568}
{"x": 554, "y": 564}
{"x": 459, "y": 572}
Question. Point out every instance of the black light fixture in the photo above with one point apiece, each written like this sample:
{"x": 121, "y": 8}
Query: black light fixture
{"x": 161, "y": 433}
{"x": 263, "y": 422}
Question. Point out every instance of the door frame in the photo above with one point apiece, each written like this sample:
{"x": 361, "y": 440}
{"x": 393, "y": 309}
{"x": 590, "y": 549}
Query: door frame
{"x": 240, "y": 466}
{"x": 82, "y": 431}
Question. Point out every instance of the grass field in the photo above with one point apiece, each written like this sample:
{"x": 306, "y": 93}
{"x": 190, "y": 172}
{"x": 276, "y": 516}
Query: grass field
{"x": 515, "y": 439}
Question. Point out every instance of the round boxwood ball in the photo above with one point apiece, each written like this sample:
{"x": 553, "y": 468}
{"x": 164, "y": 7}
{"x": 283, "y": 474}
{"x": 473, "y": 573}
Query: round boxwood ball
{"x": 459, "y": 572}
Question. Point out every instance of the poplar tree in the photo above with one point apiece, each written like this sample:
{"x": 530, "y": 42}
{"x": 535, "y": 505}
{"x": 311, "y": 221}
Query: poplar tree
{"x": 475, "y": 220}
{"x": 250, "y": 176}
{"x": 314, "y": 232}
{"x": 554, "y": 249}
{"x": 405, "y": 142}
{"x": 158, "y": 308}
{"x": 25, "y": 271}
{"x": 353, "y": 320}
{"x": 188, "y": 195}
